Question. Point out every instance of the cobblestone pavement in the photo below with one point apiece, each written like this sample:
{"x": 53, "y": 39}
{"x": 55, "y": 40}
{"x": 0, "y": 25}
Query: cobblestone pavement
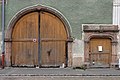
{"x": 58, "y": 78}
{"x": 58, "y": 74}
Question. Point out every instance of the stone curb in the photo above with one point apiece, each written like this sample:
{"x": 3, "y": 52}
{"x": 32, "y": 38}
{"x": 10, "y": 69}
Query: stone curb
{"x": 56, "y": 75}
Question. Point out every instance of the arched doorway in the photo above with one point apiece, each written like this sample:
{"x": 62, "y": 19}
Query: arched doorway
{"x": 38, "y": 37}
{"x": 100, "y": 45}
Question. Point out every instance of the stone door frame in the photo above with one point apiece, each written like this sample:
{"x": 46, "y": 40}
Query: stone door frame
{"x": 100, "y": 31}
{"x": 27, "y": 10}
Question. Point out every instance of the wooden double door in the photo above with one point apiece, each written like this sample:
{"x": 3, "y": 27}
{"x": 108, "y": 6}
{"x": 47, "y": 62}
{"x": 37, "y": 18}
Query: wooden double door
{"x": 100, "y": 52}
{"x": 39, "y": 38}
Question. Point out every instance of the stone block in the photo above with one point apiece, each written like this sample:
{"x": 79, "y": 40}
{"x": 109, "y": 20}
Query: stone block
{"x": 77, "y": 61}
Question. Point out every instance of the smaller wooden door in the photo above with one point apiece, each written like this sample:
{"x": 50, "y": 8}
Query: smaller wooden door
{"x": 100, "y": 52}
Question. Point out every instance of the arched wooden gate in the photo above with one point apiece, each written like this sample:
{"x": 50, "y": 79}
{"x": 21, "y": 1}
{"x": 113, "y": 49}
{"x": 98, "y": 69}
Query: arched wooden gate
{"x": 38, "y": 38}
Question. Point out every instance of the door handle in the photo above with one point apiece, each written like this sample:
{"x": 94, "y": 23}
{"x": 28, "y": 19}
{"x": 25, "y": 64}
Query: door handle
{"x": 49, "y": 52}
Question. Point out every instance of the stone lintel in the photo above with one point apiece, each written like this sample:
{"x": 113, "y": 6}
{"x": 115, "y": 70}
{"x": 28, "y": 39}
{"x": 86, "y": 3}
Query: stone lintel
{"x": 100, "y": 28}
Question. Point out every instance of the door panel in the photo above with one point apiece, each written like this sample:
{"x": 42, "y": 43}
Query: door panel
{"x": 52, "y": 53}
{"x": 51, "y": 27}
{"x": 100, "y": 57}
{"x": 24, "y": 50}
{"x": 39, "y": 38}
{"x": 53, "y": 39}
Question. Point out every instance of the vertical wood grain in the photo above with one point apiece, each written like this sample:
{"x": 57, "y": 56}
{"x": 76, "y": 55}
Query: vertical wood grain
{"x": 103, "y": 57}
{"x": 53, "y": 35}
{"x": 25, "y": 53}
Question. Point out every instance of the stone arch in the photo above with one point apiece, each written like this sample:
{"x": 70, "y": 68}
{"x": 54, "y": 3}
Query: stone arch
{"x": 38, "y": 8}
{"x": 21, "y": 13}
{"x": 112, "y": 37}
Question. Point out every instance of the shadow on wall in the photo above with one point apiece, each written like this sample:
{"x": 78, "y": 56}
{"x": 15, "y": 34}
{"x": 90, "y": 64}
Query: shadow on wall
{"x": 0, "y": 61}
{"x": 0, "y": 49}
